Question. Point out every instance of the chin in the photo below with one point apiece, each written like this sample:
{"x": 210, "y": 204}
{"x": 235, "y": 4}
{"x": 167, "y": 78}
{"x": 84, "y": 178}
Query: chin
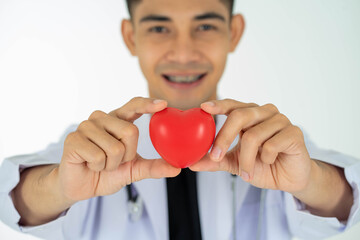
{"x": 183, "y": 104}
{"x": 184, "y": 101}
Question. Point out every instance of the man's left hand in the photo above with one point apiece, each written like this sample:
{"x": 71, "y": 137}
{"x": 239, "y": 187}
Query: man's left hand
{"x": 270, "y": 153}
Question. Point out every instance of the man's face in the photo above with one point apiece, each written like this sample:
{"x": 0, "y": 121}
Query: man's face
{"x": 182, "y": 47}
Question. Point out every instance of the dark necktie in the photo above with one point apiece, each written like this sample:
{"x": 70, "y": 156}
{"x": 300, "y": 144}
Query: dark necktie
{"x": 184, "y": 221}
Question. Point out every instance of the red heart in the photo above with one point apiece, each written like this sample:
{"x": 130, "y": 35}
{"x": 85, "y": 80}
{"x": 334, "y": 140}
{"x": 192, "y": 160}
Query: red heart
{"x": 182, "y": 137}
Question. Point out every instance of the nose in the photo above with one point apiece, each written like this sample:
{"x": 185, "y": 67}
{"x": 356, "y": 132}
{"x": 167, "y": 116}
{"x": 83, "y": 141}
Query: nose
{"x": 183, "y": 50}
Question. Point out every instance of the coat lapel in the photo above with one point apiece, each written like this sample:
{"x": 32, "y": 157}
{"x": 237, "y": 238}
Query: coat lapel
{"x": 153, "y": 191}
{"x": 215, "y": 198}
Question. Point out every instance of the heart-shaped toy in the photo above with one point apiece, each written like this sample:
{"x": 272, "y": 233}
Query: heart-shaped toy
{"x": 182, "y": 137}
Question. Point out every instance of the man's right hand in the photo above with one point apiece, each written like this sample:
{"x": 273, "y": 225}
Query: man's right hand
{"x": 100, "y": 157}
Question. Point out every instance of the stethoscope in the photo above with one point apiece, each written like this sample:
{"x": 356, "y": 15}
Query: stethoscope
{"x": 135, "y": 203}
{"x": 136, "y": 206}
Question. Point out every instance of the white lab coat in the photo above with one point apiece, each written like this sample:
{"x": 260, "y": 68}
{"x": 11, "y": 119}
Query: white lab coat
{"x": 108, "y": 217}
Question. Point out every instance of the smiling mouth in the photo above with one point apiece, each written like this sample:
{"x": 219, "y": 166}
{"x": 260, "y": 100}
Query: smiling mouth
{"x": 184, "y": 79}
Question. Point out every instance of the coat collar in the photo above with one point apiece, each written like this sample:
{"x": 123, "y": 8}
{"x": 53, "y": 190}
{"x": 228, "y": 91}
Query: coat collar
{"x": 214, "y": 192}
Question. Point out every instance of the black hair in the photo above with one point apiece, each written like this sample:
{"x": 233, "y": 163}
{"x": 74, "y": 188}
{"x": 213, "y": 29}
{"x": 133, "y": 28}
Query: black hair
{"x": 131, "y": 4}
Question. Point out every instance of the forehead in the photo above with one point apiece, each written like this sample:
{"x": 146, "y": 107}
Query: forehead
{"x": 179, "y": 8}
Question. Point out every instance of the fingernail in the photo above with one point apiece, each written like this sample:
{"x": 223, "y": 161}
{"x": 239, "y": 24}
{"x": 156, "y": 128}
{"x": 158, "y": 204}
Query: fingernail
{"x": 157, "y": 101}
{"x": 245, "y": 176}
{"x": 210, "y": 104}
{"x": 215, "y": 153}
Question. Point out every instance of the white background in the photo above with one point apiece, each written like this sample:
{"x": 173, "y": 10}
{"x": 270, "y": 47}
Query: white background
{"x": 61, "y": 60}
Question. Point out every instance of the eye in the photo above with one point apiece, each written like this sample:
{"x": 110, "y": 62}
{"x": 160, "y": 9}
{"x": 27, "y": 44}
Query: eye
{"x": 158, "y": 29}
{"x": 206, "y": 27}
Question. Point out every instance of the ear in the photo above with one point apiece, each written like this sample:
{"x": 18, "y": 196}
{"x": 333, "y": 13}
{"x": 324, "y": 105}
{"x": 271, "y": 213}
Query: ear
{"x": 127, "y": 31}
{"x": 237, "y": 27}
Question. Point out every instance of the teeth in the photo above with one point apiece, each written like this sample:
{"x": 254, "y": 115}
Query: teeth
{"x": 184, "y": 79}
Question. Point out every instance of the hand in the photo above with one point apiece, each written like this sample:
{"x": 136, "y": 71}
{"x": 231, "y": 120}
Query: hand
{"x": 271, "y": 152}
{"x": 100, "y": 157}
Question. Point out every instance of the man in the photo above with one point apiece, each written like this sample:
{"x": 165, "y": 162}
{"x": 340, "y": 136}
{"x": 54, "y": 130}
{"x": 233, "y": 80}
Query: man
{"x": 77, "y": 188}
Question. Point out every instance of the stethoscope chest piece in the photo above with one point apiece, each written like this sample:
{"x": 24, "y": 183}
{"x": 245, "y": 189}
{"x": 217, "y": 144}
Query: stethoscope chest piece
{"x": 135, "y": 204}
{"x": 135, "y": 209}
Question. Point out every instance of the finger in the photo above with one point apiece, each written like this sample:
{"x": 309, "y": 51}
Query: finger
{"x": 138, "y": 106}
{"x": 113, "y": 148}
{"x": 237, "y": 121}
{"x": 286, "y": 141}
{"x": 152, "y": 168}
{"x": 80, "y": 150}
{"x": 225, "y": 106}
{"x": 124, "y": 131}
{"x": 253, "y": 138}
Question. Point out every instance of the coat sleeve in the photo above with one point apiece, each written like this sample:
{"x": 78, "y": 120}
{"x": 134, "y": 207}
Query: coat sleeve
{"x": 305, "y": 225}
{"x": 9, "y": 178}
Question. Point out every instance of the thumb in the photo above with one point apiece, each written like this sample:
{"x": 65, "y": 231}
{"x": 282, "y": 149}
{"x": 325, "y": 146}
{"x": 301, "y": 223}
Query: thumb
{"x": 206, "y": 164}
{"x": 152, "y": 168}
{"x": 227, "y": 163}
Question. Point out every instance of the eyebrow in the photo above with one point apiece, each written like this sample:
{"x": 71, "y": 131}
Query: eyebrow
{"x": 157, "y": 18}
{"x": 161, "y": 18}
{"x": 209, "y": 15}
